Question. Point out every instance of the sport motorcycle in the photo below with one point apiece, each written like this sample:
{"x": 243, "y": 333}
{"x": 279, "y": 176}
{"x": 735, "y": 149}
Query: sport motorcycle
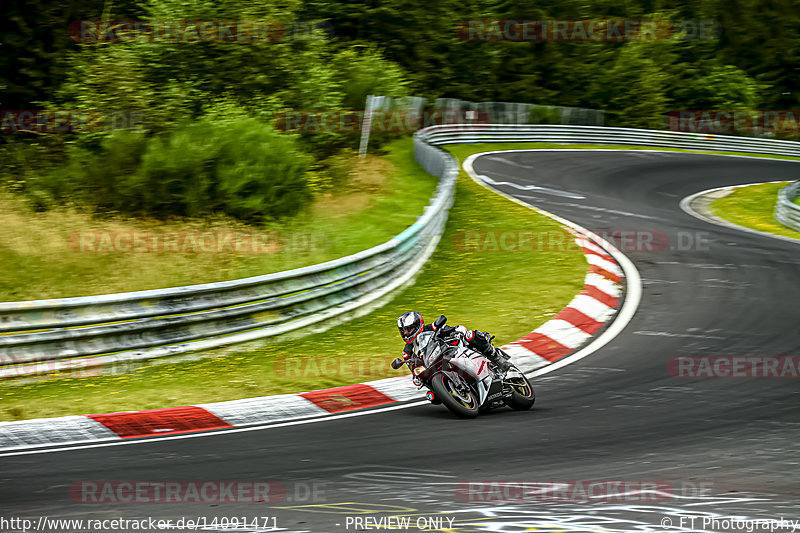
{"x": 463, "y": 379}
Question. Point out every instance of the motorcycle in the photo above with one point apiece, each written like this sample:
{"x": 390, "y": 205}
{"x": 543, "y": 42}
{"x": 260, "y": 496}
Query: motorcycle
{"x": 461, "y": 378}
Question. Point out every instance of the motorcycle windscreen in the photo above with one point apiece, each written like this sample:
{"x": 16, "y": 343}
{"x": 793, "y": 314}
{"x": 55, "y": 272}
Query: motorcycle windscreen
{"x": 421, "y": 343}
{"x": 433, "y": 351}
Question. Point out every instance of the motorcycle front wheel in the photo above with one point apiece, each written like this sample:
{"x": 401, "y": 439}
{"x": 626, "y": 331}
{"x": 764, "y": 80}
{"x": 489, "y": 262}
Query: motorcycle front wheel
{"x": 457, "y": 396}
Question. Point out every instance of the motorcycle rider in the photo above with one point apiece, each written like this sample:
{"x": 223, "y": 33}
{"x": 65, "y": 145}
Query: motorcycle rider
{"x": 411, "y": 324}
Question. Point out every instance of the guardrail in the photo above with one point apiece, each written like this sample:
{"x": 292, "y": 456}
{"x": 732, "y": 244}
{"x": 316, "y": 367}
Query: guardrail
{"x": 116, "y": 328}
{"x": 100, "y": 330}
{"x": 786, "y": 211}
{"x": 493, "y": 133}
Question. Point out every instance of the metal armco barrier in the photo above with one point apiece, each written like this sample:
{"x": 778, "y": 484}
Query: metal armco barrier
{"x": 485, "y": 133}
{"x": 116, "y": 328}
{"x": 786, "y": 211}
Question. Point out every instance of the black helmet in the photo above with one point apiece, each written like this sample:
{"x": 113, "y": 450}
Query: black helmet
{"x": 410, "y": 325}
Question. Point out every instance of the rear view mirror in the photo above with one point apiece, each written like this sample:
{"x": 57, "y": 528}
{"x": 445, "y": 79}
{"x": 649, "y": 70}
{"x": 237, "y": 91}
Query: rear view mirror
{"x": 440, "y": 322}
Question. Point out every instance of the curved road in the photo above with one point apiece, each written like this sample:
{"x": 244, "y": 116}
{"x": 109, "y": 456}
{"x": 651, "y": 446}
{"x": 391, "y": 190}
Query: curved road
{"x": 728, "y": 447}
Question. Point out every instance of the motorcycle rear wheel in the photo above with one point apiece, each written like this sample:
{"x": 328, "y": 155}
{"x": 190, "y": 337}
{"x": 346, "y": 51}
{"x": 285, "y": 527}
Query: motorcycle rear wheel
{"x": 522, "y": 396}
{"x": 459, "y": 399}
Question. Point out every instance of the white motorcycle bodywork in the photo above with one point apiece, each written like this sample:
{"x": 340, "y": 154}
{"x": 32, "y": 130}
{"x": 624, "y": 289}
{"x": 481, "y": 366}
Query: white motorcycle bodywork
{"x": 467, "y": 361}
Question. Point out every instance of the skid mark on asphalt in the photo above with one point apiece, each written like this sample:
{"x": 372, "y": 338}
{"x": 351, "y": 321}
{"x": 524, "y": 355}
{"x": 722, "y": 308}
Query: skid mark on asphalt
{"x": 352, "y": 508}
{"x": 379, "y": 479}
{"x": 590, "y": 208}
{"x": 509, "y": 162}
{"x": 680, "y": 335}
{"x": 578, "y": 375}
{"x": 652, "y": 281}
{"x": 545, "y": 190}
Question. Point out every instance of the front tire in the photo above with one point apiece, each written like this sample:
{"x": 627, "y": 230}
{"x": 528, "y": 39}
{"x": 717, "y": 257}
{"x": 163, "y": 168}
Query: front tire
{"x": 522, "y": 396}
{"x": 459, "y": 398}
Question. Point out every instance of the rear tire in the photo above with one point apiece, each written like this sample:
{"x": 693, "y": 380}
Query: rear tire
{"x": 522, "y": 396}
{"x": 463, "y": 404}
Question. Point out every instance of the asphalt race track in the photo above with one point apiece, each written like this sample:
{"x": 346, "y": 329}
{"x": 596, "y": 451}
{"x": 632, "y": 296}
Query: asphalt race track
{"x": 728, "y": 447}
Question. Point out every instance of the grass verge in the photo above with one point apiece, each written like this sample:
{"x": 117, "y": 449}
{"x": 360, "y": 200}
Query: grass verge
{"x": 42, "y": 258}
{"x": 508, "y": 293}
{"x": 754, "y": 207}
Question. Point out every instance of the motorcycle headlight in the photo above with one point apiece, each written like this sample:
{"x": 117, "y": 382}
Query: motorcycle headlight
{"x": 419, "y": 370}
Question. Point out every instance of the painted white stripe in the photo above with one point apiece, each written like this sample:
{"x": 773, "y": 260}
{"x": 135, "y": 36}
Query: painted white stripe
{"x": 612, "y": 288}
{"x": 517, "y": 350}
{"x": 605, "y": 264}
{"x": 265, "y": 409}
{"x": 399, "y": 389}
{"x": 63, "y": 430}
{"x": 592, "y": 308}
{"x": 563, "y": 332}
{"x": 523, "y": 358}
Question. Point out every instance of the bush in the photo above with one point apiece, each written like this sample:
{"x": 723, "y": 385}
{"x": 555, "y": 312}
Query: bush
{"x": 93, "y": 176}
{"x": 262, "y": 173}
{"x": 241, "y": 167}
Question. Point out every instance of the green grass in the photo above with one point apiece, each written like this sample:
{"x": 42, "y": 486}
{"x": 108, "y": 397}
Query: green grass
{"x": 38, "y": 261}
{"x": 508, "y": 293}
{"x": 754, "y": 207}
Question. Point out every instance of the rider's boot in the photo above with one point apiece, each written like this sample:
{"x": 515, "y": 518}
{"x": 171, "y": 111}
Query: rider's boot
{"x": 498, "y": 358}
{"x": 483, "y": 341}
